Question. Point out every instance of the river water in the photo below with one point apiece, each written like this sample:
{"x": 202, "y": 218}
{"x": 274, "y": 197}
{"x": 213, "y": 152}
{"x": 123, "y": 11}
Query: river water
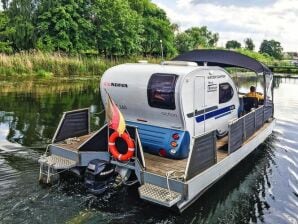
{"x": 263, "y": 188}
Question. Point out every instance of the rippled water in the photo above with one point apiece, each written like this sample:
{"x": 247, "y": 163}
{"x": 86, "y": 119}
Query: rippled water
{"x": 262, "y": 188}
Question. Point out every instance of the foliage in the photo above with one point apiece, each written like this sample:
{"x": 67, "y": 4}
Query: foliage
{"x": 117, "y": 26}
{"x": 109, "y": 28}
{"x": 249, "y": 44}
{"x": 21, "y": 15}
{"x": 5, "y": 32}
{"x": 63, "y": 25}
{"x": 233, "y": 44}
{"x": 156, "y": 28}
{"x": 272, "y": 48}
{"x": 264, "y": 58}
{"x": 196, "y": 37}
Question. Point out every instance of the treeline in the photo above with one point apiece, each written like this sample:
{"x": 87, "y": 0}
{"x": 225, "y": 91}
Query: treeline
{"x": 270, "y": 48}
{"x": 103, "y": 27}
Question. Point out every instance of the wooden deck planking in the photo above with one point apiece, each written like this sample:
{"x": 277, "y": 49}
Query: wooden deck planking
{"x": 74, "y": 145}
{"x": 160, "y": 165}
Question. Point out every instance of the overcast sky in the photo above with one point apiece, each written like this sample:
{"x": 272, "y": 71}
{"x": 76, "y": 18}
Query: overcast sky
{"x": 239, "y": 19}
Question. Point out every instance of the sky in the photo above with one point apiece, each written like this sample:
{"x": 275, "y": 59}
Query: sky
{"x": 239, "y": 19}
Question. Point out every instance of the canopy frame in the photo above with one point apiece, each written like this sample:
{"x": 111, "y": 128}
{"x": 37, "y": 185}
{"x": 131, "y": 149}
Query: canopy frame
{"x": 225, "y": 59}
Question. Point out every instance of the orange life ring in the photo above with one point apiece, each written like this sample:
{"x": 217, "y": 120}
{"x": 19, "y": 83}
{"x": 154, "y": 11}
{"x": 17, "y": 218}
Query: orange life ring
{"x": 113, "y": 149}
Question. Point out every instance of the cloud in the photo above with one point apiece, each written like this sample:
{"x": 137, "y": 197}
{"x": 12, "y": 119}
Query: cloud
{"x": 275, "y": 20}
{"x": 246, "y": 3}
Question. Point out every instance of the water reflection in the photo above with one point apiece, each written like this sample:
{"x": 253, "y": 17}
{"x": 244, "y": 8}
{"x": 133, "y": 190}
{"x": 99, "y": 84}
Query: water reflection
{"x": 30, "y": 118}
{"x": 262, "y": 188}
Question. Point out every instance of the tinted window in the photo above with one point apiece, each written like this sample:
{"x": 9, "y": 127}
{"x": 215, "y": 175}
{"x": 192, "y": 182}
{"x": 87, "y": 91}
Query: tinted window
{"x": 161, "y": 91}
{"x": 225, "y": 92}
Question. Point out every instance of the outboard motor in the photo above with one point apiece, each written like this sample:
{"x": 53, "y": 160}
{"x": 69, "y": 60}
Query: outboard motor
{"x": 99, "y": 176}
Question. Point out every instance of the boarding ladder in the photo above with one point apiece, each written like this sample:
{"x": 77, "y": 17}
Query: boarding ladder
{"x": 51, "y": 166}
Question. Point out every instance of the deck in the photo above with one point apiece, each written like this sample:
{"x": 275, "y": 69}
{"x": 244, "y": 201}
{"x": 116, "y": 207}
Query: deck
{"x": 74, "y": 144}
{"x": 160, "y": 165}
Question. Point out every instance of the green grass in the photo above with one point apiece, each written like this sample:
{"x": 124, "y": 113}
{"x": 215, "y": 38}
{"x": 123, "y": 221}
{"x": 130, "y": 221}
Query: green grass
{"x": 44, "y": 65}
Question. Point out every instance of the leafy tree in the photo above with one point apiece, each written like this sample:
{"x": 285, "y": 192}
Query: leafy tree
{"x": 5, "y": 4}
{"x": 21, "y": 15}
{"x": 64, "y": 25}
{"x": 249, "y": 44}
{"x": 117, "y": 26}
{"x": 184, "y": 42}
{"x": 5, "y": 33}
{"x": 272, "y": 48}
{"x": 196, "y": 37}
{"x": 233, "y": 44}
{"x": 156, "y": 27}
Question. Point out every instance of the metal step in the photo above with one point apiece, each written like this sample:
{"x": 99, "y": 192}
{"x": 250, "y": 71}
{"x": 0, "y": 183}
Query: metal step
{"x": 57, "y": 162}
{"x": 159, "y": 195}
{"x": 50, "y": 166}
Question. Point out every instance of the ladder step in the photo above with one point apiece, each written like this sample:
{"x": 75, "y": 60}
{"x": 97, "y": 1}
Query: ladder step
{"x": 57, "y": 162}
{"x": 159, "y": 195}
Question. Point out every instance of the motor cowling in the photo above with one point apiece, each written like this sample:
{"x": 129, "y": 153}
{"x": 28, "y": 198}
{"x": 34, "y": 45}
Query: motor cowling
{"x": 99, "y": 176}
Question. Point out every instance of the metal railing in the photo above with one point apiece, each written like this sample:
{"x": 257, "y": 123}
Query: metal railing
{"x": 244, "y": 127}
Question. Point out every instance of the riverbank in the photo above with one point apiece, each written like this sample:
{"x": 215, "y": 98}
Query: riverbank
{"x": 47, "y": 66}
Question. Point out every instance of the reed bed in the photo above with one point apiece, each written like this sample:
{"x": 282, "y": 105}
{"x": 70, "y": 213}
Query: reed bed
{"x": 48, "y": 65}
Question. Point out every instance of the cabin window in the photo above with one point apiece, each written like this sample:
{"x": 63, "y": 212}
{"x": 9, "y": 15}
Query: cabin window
{"x": 226, "y": 92}
{"x": 161, "y": 91}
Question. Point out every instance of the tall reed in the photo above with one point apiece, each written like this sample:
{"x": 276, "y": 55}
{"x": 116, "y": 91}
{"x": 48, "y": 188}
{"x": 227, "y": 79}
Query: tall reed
{"x": 47, "y": 65}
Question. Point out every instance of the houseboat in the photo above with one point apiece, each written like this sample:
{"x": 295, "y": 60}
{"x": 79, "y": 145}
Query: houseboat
{"x": 186, "y": 127}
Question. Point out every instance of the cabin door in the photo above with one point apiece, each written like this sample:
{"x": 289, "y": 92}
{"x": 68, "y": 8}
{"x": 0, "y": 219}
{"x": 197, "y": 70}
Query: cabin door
{"x": 199, "y": 105}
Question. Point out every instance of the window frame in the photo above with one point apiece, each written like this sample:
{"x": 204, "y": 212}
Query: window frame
{"x": 219, "y": 91}
{"x": 173, "y": 92}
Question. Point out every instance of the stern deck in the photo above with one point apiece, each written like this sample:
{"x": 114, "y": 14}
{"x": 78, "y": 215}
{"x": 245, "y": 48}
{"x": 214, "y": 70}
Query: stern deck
{"x": 161, "y": 165}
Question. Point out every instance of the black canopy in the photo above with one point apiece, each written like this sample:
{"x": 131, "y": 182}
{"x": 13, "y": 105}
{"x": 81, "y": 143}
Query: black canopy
{"x": 223, "y": 58}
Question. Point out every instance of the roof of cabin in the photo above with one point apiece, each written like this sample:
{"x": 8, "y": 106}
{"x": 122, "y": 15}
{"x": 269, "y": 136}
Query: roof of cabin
{"x": 223, "y": 58}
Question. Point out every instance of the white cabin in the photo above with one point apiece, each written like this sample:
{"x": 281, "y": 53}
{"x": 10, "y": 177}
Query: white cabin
{"x": 170, "y": 95}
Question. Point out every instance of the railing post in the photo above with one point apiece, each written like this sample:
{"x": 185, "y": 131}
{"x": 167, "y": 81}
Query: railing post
{"x": 229, "y": 140}
{"x": 255, "y": 115}
{"x": 244, "y": 130}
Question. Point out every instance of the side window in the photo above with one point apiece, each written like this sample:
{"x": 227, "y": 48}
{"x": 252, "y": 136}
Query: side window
{"x": 161, "y": 91}
{"x": 226, "y": 92}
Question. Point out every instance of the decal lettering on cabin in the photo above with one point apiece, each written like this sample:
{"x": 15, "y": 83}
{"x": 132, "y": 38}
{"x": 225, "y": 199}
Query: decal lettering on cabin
{"x": 212, "y": 88}
{"x": 113, "y": 84}
{"x": 216, "y": 76}
{"x": 169, "y": 114}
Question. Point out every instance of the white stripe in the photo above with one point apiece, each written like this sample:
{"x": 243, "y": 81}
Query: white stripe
{"x": 119, "y": 157}
{"x": 110, "y": 143}
{"x": 131, "y": 149}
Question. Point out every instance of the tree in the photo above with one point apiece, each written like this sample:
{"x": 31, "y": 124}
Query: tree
{"x": 5, "y": 33}
{"x": 196, "y": 37}
{"x": 64, "y": 25}
{"x": 233, "y": 44}
{"x": 117, "y": 27}
{"x": 21, "y": 14}
{"x": 272, "y": 48}
{"x": 5, "y": 4}
{"x": 249, "y": 44}
{"x": 156, "y": 27}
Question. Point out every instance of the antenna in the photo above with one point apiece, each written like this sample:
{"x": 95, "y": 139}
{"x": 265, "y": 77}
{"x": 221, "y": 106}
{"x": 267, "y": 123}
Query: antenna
{"x": 161, "y": 47}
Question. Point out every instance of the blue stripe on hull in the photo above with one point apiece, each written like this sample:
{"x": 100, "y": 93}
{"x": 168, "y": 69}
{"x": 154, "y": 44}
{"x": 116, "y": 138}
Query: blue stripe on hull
{"x": 216, "y": 113}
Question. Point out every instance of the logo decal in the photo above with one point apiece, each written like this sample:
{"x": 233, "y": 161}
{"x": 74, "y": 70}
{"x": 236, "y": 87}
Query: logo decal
{"x": 114, "y": 84}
